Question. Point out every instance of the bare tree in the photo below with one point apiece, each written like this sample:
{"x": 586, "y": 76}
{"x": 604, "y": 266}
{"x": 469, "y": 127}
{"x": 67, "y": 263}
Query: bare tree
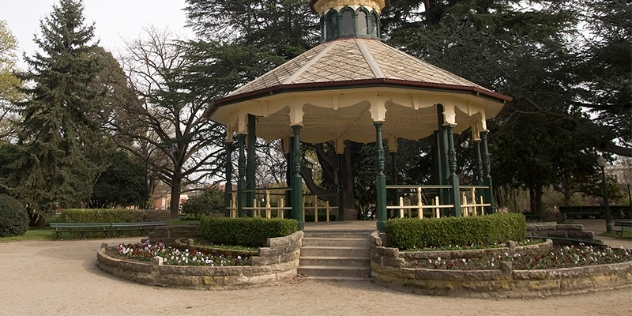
{"x": 167, "y": 115}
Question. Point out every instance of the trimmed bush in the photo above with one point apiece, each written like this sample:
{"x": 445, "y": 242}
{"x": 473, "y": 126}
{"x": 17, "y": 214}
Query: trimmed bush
{"x": 101, "y": 216}
{"x": 245, "y": 231}
{"x": 13, "y": 218}
{"x": 411, "y": 233}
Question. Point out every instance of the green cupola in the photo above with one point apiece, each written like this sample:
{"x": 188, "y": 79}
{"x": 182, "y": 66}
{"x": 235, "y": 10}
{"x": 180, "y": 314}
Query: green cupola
{"x": 349, "y": 18}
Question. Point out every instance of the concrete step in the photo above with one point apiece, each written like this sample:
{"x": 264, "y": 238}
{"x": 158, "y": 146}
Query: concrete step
{"x": 323, "y": 251}
{"x": 335, "y": 261}
{"x": 335, "y": 242}
{"x": 335, "y": 272}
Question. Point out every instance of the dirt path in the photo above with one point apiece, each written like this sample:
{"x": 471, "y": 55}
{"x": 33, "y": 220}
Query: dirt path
{"x": 61, "y": 278}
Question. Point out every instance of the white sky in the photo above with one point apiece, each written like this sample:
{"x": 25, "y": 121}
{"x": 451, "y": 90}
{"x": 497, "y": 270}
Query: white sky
{"x": 115, "y": 20}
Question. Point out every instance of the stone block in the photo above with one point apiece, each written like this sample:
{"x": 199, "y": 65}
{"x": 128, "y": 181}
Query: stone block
{"x": 269, "y": 252}
{"x": 570, "y": 227}
{"x": 278, "y": 242}
{"x": 559, "y": 233}
{"x": 543, "y": 226}
{"x": 581, "y": 235}
{"x": 286, "y": 257}
{"x": 529, "y": 274}
{"x": 392, "y": 261}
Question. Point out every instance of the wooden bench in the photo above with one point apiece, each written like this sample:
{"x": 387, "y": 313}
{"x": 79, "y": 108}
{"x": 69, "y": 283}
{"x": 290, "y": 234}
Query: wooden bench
{"x": 82, "y": 228}
{"x": 623, "y": 226}
{"x": 583, "y": 214}
{"x": 105, "y": 228}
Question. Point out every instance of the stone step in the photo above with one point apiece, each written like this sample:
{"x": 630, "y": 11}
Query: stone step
{"x": 335, "y": 261}
{"x": 335, "y": 242}
{"x": 337, "y": 279}
{"x": 335, "y": 272}
{"x": 321, "y": 251}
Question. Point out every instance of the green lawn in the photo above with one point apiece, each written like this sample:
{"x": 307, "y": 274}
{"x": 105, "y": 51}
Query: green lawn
{"x": 31, "y": 235}
{"x": 48, "y": 233}
{"x": 626, "y": 234}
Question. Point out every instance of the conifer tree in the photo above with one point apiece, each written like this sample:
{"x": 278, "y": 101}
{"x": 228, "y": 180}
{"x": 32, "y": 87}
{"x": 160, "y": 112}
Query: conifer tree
{"x": 59, "y": 119}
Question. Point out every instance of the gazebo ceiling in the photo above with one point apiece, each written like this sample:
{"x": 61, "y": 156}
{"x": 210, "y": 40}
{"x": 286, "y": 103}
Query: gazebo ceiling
{"x": 339, "y": 88}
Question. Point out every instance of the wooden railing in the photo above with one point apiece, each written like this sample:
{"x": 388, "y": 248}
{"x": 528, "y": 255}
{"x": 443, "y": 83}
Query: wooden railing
{"x": 266, "y": 207}
{"x": 469, "y": 204}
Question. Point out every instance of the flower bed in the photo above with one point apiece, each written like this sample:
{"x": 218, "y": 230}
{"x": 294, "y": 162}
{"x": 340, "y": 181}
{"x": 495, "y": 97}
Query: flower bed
{"x": 275, "y": 263}
{"x": 564, "y": 257}
{"x": 174, "y": 256}
{"x": 523, "y": 271}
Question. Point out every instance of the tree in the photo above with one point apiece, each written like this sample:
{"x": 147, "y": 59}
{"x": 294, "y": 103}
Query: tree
{"x": 168, "y": 115}
{"x": 59, "y": 121}
{"x": 605, "y": 71}
{"x": 121, "y": 184}
{"x": 208, "y": 201}
{"x": 8, "y": 81}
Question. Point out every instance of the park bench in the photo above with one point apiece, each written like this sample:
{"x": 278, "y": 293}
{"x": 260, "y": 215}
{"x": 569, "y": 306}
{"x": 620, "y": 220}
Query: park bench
{"x": 105, "y": 228}
{"x": 583, "y": 214}
{"x": 624, "y": 226}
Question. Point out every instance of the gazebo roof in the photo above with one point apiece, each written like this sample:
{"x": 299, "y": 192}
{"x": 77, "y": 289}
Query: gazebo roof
{"x": 338, "y": 89}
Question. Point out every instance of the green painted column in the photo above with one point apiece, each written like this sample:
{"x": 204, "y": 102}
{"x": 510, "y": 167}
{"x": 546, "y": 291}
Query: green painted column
{"x": 394, "y": 199}
{"x": 289, "y": 176}
{"x": 297, "y": 181}
{"x": 228, "y": 188}
{"x": 479, "y": 170}
{"x": 443, "y": 168}
{"x": 487, "y": 178}
{"x": 241, "y": 182}
{"x": 381, "y": 179}
{"x": 250, "y": 163}
{"x": 453, "y": 179}
{"x": 479, "y": 162}
{"x": 341, "y": 191}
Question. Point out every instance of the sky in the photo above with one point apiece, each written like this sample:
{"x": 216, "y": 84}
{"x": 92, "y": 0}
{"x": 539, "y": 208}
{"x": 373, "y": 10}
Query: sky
{"x": 115, "y": 20}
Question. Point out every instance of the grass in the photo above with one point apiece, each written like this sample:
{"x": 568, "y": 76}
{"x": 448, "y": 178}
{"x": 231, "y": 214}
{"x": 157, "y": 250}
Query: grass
{"x": 48, "y": 233}
{"x": 31, "y": 235}
{"x": 626, "y": 234}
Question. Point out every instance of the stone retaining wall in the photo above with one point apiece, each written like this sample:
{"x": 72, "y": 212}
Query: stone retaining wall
{"x": 389, "y": 269}
{"x": 275, "y": 263}
{"x": 552, "y": 229}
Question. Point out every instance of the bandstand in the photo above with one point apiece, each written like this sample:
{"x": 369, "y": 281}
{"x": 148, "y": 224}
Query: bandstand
{"x": 354, "y": 87}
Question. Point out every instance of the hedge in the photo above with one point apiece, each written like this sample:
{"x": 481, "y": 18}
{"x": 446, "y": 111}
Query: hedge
{"x": 411, "y": 233}
{"x": 245, "y": 231}
{"x": 112, "y": 216}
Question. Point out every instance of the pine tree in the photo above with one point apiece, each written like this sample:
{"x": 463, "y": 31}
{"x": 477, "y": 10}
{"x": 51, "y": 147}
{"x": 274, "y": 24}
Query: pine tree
{"x": 59, "y": 122}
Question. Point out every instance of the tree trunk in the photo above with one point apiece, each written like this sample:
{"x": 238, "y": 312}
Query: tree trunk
{"x": 347, "y": 184}
{"x": 535, "y": 199}
{"x": 174, "y": 205}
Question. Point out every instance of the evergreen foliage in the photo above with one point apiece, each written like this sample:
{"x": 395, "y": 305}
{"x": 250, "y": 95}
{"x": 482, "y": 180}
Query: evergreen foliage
{"x": 13, "y": 218}
{"x": 250, "y": 232}
{"x": 412, "y": 233}
{"x": 209, "y": 201}
{"x": 60, "y": 126}
{"x": 121, "y": 184}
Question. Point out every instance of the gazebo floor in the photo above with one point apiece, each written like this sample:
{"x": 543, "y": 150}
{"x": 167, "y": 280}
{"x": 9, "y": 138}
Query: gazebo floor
{"x": 358, "y": 225}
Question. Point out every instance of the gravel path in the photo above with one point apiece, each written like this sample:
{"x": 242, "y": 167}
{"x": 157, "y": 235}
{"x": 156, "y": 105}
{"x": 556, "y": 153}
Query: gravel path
{"x": 61, "y": 278}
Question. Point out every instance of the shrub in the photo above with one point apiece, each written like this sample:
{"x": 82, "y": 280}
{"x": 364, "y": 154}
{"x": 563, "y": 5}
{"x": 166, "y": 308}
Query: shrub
{"x": 411, "y": 233}
{"x": 101, "y": 216}
{"x": 210, "y": 201}
{"x": 13, "y": 218}
{"x": 245, "y": 231}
